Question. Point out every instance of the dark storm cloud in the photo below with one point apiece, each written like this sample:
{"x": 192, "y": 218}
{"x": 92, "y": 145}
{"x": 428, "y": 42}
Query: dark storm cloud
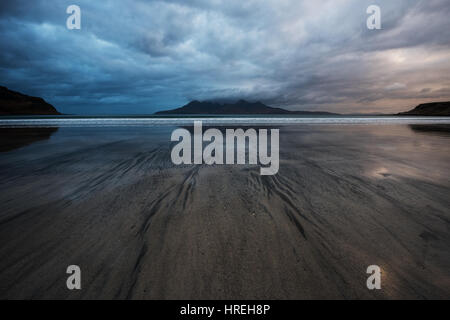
{"x": 142, "y": 56}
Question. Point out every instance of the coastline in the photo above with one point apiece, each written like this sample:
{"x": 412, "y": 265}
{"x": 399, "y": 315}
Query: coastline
{"x": 133, "y": 120}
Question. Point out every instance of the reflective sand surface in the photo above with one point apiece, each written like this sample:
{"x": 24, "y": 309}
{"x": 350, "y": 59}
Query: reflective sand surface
{"x": 109, "y": 200}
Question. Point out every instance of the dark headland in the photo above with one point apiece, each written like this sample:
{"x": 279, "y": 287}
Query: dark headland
{"x": 239, "y": 107}
{"x": 15, "y": 103}
{"x": 429, "y": 109}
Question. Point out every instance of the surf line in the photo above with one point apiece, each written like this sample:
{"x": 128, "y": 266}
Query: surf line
{"x": 235, "y": 145}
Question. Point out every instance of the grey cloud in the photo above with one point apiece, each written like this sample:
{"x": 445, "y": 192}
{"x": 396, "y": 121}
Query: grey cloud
{"x": 140, "y": 56}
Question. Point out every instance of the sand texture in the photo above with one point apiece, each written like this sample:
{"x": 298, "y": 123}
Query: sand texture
{"x": 139, "y": 227}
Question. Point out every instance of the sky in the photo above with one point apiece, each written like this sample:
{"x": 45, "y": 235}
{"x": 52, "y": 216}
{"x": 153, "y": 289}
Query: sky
{"x": 139, "y": 57}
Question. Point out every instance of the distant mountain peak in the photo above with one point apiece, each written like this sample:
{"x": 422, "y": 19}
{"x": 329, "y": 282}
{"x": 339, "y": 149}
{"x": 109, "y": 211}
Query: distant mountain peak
{"x": 239, "y": 107}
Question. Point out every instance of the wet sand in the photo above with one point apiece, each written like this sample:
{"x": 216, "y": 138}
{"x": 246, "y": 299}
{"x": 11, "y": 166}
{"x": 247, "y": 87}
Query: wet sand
{"x": 111, "y": 201}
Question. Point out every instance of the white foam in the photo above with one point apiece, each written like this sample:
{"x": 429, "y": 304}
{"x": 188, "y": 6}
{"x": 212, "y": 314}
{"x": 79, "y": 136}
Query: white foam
{"x": 129, "y": 121}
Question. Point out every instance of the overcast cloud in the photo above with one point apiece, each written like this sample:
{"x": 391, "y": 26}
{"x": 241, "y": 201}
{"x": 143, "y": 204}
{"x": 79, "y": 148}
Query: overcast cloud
{"x": 143, "y": 56}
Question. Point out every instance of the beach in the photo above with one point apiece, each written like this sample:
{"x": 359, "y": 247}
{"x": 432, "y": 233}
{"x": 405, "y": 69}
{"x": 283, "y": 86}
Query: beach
{"x": 109, "y": 200}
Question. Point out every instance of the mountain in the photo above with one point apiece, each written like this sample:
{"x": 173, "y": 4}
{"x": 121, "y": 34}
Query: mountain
{"x": 429, "y": 109}
{"x": 15, "y": 103}
{"x": 240, "y": 107}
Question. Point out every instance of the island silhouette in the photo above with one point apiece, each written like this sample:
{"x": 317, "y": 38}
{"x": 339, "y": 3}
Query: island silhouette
{"x": 15, "y": 103}
{"x": 239, "y": 107}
